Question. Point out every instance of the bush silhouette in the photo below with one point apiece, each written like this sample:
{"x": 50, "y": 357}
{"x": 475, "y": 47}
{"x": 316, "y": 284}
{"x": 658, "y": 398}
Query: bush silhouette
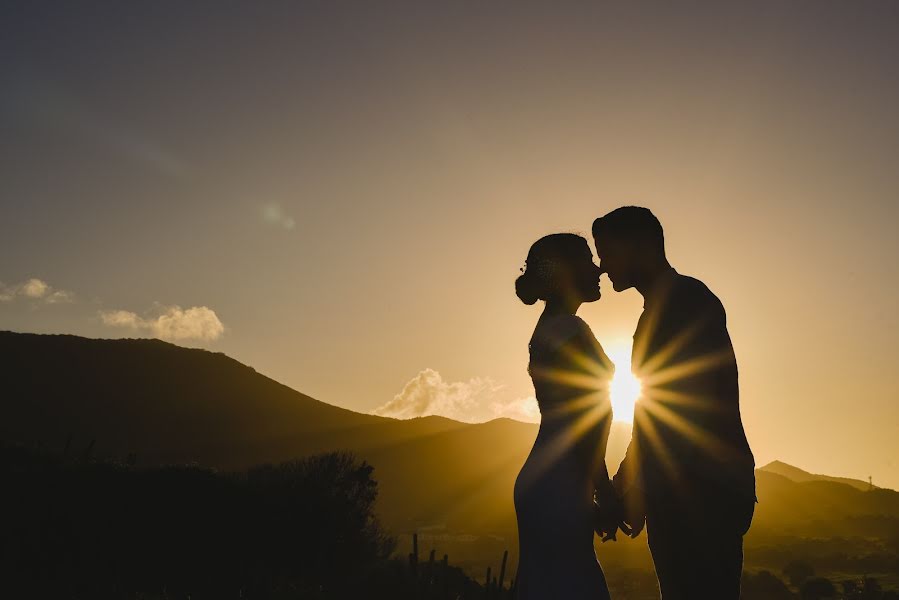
{"x": 797, "y": 572}
{"x": 102, "y": 529}
{"x": 817, "y": 589}
{"x": 765, "y": 585}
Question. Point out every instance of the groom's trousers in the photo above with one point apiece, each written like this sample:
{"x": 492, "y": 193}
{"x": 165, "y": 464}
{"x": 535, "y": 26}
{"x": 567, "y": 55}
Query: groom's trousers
{"x": 697, "y": 545}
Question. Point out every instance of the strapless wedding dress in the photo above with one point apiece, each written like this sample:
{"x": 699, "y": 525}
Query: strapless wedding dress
{"x": 554, "y": 490}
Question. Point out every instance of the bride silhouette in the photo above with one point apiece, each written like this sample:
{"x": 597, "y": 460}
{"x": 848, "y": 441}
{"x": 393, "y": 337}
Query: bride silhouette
{"x": 554, "y": 491}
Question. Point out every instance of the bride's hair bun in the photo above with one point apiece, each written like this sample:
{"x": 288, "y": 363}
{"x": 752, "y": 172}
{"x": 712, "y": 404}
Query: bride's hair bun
{"x": 546, "y": 263}
{"x": 527, "y": 288}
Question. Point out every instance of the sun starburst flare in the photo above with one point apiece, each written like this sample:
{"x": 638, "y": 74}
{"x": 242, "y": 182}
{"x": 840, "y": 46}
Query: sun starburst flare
{"x": 625, "y": 388}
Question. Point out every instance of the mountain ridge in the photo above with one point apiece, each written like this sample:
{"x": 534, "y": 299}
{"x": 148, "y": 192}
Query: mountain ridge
{"x": 798, "y": 475}
{"x": 170, "y": 404}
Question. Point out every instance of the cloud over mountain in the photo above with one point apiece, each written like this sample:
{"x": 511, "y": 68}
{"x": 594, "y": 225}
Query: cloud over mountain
{"x": 174, "y": 324}
{"x": 477, "y": 400}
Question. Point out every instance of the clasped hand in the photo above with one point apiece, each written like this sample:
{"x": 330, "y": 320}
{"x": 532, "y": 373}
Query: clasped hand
{"x": 611, "y": 512}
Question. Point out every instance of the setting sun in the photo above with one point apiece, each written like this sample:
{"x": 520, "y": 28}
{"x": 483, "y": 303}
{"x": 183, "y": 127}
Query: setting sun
{"x": 625, "y": 388}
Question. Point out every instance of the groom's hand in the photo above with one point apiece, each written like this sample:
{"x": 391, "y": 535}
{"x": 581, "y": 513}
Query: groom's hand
{"x": 634, "y": 512}
{"x": 636, "y": 527}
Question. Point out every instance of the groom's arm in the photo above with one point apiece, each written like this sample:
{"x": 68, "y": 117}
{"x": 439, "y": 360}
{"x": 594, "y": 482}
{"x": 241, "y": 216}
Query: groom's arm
{"x": 588, "y": 359}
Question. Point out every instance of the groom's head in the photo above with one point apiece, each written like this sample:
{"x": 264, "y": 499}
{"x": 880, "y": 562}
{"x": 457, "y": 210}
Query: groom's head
{"x": 630, "y": 244}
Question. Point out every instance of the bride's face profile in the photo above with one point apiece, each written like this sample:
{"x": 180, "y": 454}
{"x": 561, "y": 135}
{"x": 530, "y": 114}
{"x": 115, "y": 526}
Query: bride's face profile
{"x": 560, "y": 271}
{"x": 585, "y": 275}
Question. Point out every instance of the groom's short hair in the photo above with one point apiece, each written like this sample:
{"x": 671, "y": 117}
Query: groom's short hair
{"x": 632, "y": 222}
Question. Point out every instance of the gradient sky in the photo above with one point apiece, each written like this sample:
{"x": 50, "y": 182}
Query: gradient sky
{"x": 340, "y": 194}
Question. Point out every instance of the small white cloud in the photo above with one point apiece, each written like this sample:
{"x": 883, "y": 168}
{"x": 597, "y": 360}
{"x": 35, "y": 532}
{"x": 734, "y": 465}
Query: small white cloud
{"x": 473, "y": 401}
{"x": 121, "y": 318}
{"x": 197, "y": 323}
{"x": 520, "y": 409}
{"x": 60, "y": 296}
{"x": 174, "y": 324}
{"x": 273, "y": 215}
{"x": 35, "y": 289}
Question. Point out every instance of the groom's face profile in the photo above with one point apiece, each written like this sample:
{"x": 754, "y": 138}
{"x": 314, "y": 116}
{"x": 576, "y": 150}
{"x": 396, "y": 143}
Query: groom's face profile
{"x": 615, "y": 258}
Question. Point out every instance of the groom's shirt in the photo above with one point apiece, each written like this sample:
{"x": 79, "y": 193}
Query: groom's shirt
{"x": 688, "y": 436}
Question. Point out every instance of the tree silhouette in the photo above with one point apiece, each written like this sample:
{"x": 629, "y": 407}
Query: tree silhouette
{"x": 765, "y": 585}
{"x": 797, "y": 572}
{"x": 817, "y": 589}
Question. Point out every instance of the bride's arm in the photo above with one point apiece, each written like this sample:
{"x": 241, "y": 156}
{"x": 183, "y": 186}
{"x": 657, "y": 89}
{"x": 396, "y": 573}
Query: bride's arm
{"x": 600, "y": 369}
{"x": 601, "y": 480}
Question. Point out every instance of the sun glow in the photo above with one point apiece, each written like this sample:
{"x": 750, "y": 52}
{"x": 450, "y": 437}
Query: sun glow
{"x": 625, "y": 388}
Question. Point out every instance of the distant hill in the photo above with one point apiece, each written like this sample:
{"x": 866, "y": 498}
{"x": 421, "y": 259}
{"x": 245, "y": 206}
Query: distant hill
{"x": 162, "y": 401}
{"x": 796, "y": 474}
{"x": 170, "y": 404}
{"x": 821, "y": 508}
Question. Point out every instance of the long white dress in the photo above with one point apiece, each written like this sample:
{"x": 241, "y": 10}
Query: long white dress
{"x": 554, "y": 489}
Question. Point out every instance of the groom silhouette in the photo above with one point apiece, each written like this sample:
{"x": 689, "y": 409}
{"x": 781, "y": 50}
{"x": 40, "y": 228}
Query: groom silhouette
{"x": 689, "y": 472}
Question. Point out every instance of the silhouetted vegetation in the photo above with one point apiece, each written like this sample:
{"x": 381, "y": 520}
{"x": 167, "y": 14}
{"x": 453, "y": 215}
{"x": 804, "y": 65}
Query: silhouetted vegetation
{"x": 817, "y": 588}
{"x": 81, "y": 528}
{"x": 764, "y": 585}
{"x": 797, "y": 571}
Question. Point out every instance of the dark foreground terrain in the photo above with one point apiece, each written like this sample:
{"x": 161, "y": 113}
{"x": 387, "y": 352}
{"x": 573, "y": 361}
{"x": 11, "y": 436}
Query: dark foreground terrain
{"x": 176, "y": 503}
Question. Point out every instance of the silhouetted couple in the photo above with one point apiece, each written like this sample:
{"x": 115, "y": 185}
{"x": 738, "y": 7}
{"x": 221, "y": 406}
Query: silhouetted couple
{"x": 688, "y": 475}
